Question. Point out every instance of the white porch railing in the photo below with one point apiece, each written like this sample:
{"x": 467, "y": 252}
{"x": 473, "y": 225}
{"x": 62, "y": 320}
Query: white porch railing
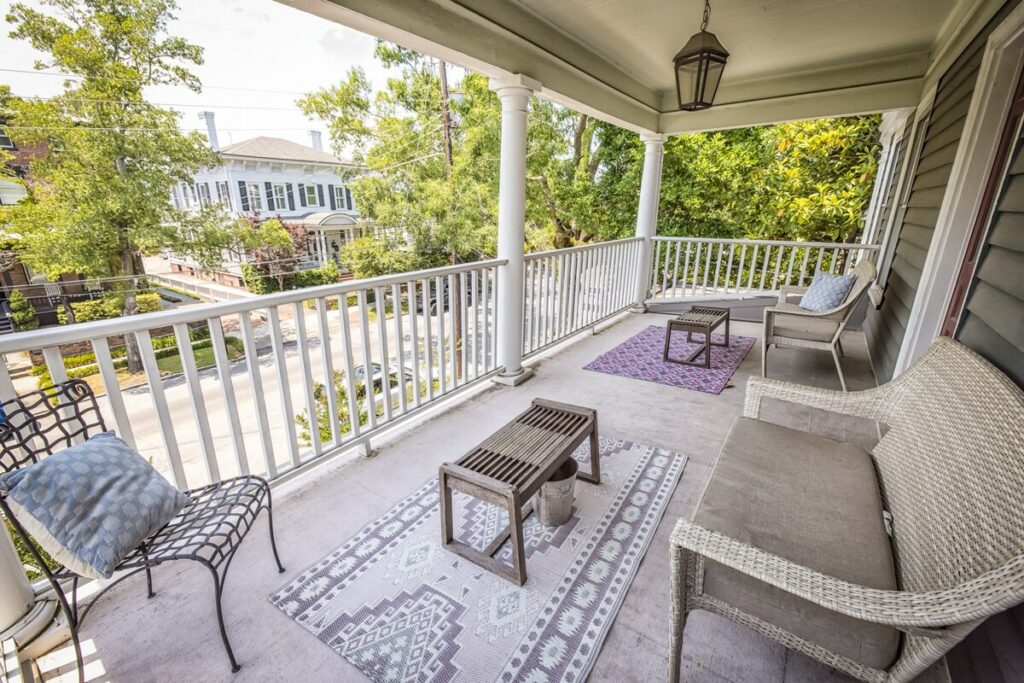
{"x": 568, "y": 290}
{"x": 393, "y": 345}
{"x": 696, "y": 268}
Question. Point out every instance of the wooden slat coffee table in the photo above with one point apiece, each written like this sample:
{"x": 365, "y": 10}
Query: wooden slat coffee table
{"x": 509, "y": 467}
{"x": 702, "y": 320}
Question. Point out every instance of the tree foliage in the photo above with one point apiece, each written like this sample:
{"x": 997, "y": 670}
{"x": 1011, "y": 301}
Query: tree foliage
{"x": 98, "y": 198}
{"x": 803, "y": 180}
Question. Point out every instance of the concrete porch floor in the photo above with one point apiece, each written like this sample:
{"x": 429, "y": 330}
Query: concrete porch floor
{"x": 174, "y": 636}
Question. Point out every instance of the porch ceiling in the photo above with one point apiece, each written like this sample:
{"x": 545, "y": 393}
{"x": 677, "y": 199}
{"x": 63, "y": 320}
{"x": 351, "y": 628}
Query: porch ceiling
{"x": 789, "y": 59}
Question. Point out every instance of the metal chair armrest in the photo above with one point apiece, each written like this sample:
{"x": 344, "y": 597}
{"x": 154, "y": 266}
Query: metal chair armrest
{"x": 915, "y": 612}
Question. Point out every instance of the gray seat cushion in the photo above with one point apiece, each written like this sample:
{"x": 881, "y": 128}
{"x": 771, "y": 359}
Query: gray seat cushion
{"x": 815, "y": 502}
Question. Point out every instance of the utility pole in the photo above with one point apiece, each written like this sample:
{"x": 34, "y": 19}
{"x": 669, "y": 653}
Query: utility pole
{"x": 446, "y": 119}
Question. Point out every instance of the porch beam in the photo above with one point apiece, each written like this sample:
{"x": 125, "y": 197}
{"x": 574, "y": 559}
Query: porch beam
{"x": 647, "y": 212}
{"x": 515, "y": 93}
{"x": 864, "y": 99}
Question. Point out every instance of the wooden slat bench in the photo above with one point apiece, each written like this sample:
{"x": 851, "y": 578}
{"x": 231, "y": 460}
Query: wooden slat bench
{"x": 509, "y": 467}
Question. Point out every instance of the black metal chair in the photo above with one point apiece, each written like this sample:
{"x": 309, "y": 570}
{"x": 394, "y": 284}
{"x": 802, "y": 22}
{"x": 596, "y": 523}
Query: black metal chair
{"x": 208, "y": 530}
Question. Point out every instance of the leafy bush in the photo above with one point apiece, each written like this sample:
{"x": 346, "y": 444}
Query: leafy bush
{"x": 326, "y": 275}
{"x": 110, "y": 306}
{"x": 256, "y": 282}
{"x": 23, "y": 314}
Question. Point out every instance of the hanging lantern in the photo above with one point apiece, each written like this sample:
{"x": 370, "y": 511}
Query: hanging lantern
{"x": 699, "y": 67}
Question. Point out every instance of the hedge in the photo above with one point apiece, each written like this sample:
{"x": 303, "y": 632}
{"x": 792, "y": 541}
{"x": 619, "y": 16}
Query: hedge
{"x": 109, "y": 306}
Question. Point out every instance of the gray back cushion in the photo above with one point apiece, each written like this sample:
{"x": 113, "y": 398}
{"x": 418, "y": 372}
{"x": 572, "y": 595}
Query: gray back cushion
{"x": 92, "y": 504}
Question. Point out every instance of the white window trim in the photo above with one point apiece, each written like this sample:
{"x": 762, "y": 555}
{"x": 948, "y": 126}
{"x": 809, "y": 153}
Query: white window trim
{"x": 893, "y": 124}
{"x": 1004, "y": 55}
{"x": 914, "y": 145}
{"x": 255, "y": 196}
{"x": 311, "y": 196}
{"x": 204, "y": 194}
{"x": 280, "y": 197}
{"x": 339, "y": 198}
{"x": 223, "y": 193}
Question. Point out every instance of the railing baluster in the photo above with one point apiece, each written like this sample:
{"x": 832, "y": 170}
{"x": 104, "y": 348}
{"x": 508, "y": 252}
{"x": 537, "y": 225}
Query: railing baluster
{"x": 655, "y": 292}
{"x": 453, "y": 331}
{"x": 803, "y": 266}
{"x": 348, "y": 369}
{"x": 707, "y": 269}
{"x": 442, "y": 360}
{"x": 764, "y": 268}
{"x": 302, "y": 344}
{"x": 664, "y": 271}
{"x": 718, "y": 267}
{"x": 414, "y": 339}
{"x": 163, "y": 413}
{"x": 789, "y": 270}
{"x": 778, "y": 269}
{"x": 728, "y": 268}
{"x": 115, "y": 399}
{"x": 739, "y": 270}
{"x": 364, "y": 337}
{"x": 485, "y": 290}
{"x": 327, "y": 358}
{"x": 817, "y": 266}
{"x": 428, "y": 340}
{"x": 195, "y": 394}
{"x": 227, "y": 387}
{"x": 528, "y": 305}
{"x": 396, "y": 303}
{"x": 675, "y": 270}
{"x": 753, "y": 269}
{"x": 474, "y": 328}
{"x": 381, "y": 308}
{"x": 252, "y": 363}
{"x": 832, "y": 266}
{"x": 283, "y": 385}
{"x": 464, "y": 326}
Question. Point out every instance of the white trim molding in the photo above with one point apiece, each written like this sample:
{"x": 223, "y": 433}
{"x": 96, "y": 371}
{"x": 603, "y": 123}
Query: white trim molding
{"x": 972, "y": 166}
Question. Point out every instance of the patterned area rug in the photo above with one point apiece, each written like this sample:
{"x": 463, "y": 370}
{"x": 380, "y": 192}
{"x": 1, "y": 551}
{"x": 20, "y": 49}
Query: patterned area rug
{"x": 639, "y": 357}
{"x": 399, "y": 607}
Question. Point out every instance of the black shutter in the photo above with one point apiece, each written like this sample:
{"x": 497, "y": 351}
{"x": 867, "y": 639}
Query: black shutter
{"x": 320, "y": 194}
{"x": 348, "y": 200}
{"x": 291, "y": 196}
{"x": 302, "y": 194}
{"x": 330, "y": 196}
{"x": 270, "y": 196}
{"x": 243, "y": 195}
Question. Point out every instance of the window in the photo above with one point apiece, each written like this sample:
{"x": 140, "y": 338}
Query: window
{"x": 339, "y": 197}
{"x": 204, "y": 194}
{"x": 184, "y": 196}
{"x": 280, "y": 198}
{"x": 223, "y": 195}
{"x": 255, "y": 198}
{"x": 5, "y": 140}
{"x": 310, "y": 191}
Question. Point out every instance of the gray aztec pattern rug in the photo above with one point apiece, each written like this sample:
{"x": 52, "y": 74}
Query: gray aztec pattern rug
{"x": 399, "y": 607}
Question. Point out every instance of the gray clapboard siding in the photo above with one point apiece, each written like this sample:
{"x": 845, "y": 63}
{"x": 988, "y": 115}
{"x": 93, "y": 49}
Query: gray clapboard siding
{"x": 887, "y": 326}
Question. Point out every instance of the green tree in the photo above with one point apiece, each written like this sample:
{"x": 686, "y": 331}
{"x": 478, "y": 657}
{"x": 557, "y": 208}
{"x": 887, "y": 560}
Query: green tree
{"x": 23, "y": 313}
{"x": 370, "y": 256}
{"x": 99, "y": 198}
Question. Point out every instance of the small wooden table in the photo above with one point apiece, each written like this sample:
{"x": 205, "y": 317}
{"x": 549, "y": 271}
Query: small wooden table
{"x": 702, "y": 320}
{"x": 509, "y": 467}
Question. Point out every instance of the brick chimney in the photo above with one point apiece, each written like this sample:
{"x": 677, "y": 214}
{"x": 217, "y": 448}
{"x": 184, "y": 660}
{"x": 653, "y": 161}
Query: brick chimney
{"x": 211, "y": 129}
{"x": 316, "y": 140}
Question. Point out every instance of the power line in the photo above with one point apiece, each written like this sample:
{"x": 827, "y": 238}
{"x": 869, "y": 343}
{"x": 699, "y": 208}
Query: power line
{"x": 34, "y": 72}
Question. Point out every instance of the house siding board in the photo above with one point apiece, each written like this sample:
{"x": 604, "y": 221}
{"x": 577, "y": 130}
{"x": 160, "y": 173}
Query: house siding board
{"x": 930, "y": 182}
{"x": 993, "y": 318}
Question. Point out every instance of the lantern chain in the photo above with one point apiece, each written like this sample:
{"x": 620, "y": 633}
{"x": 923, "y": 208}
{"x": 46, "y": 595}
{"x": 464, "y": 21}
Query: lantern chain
{"x": 707, "y": 15}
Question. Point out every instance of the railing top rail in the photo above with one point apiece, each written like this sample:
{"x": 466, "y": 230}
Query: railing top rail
{"x": 582, "y": 247}
{"x": 67, "y": 334}
{"x": 774, "y": 243}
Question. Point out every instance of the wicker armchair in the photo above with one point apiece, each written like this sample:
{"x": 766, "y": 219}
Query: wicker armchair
{"x": 810, "y": 563}
{"x": 787, "y": 324}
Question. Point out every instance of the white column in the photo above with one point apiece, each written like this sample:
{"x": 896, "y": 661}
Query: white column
{"x": 647, "y": 211}
{"x": 514, "y": 92}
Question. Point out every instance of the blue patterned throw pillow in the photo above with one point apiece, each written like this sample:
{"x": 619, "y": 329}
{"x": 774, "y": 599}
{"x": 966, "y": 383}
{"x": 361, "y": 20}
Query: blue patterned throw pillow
{"x": 92, "y": 504}
{"x": 827, "y": 291}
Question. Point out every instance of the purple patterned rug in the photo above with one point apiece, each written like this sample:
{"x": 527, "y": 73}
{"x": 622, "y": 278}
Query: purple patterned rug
{"x": 399, "y": 607}
{"x": 639, "y": 357}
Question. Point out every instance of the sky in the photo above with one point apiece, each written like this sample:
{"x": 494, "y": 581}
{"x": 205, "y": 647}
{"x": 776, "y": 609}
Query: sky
{"x": 260, "y": 56}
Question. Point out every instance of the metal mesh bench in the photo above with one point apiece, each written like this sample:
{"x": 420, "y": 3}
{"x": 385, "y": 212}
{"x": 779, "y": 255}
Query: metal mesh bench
{"x": 509, "y": 467}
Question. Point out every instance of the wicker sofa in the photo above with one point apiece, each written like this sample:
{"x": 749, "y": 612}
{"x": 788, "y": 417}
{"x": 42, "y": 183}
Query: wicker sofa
{"x": 789, "y": 537}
